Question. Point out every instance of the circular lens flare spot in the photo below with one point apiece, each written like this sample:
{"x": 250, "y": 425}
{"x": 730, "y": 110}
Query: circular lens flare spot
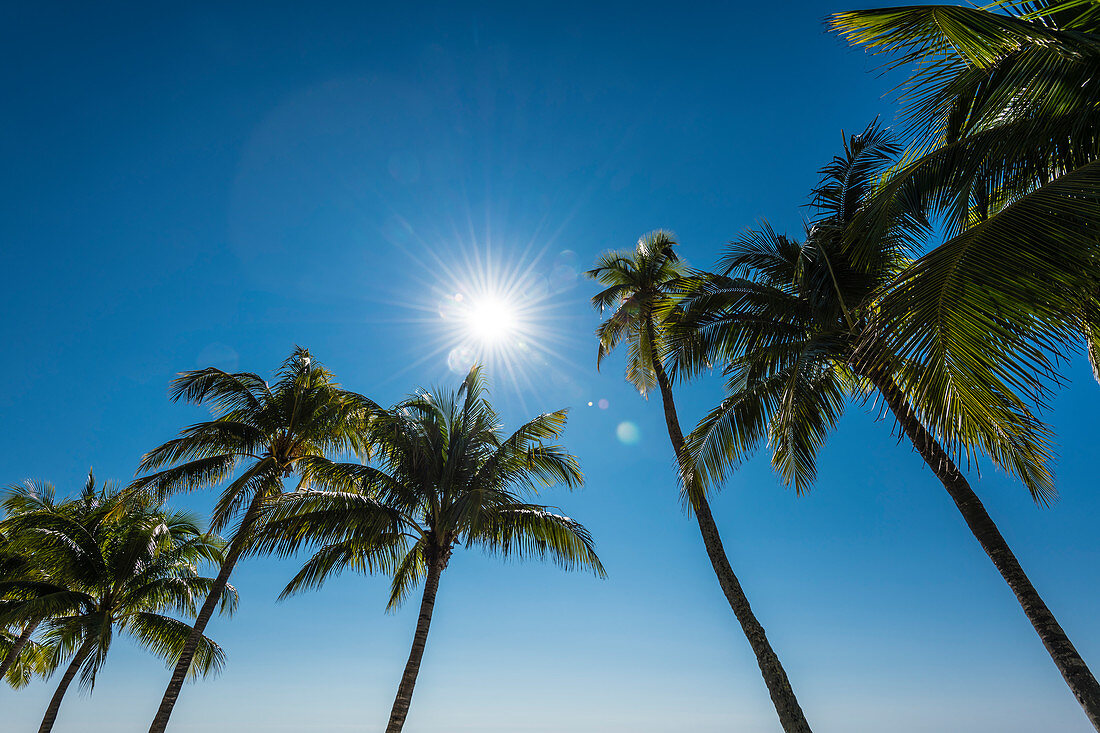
{"x": 628, "y": 433}
{"x": 461, "y": 359}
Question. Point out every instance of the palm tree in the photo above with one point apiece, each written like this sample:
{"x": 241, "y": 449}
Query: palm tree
{"x": 796, "y": 325}
{"x": 445, "y": 477}
{"x": 1005, "y": 152}
{"x": 127, "y": 561}
{"x": 641, "y": 290}
{"x": 268, "y": 433}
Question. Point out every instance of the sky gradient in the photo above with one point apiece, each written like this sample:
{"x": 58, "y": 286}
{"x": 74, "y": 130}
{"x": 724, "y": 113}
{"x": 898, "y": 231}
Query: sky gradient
{"x": 196, "y": 185}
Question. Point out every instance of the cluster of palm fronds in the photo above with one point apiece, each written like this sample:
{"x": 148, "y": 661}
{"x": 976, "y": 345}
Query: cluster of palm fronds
{"x": 948, "y": 273}
{"x": 374, "y": 490}
{"x": 77, "y": 571}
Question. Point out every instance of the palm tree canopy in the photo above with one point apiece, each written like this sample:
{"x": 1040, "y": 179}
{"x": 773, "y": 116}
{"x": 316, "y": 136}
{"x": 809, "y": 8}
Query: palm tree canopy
{"x": 1004, "y": 116}
{"x": 640, "y": 293}
{"x": 792, "y": 322}
{"x": 271, "y": 430}
{"x": 444, "y": 475}
{"x": 114, "y": 562}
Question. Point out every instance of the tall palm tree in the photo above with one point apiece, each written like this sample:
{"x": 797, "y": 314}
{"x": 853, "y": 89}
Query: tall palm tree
{"x": 1004, "y": 113}
{"x": 261, "y": 434}
{"x": 796, "y": 325}
{"x": 126, "y": 561}
{"x": 641, "y": 292}
{"x": 445, "y": 476}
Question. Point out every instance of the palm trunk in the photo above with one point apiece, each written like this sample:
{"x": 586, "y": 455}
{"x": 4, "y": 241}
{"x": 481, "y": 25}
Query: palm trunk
{"x": 1073, "y": 668}
{"x": 412, "y": 667}
{"x": 179, "y": 675}
{"x": 775, "y": 677}
{"x": 17, "y": 647}
{"x": 55, "y": 702}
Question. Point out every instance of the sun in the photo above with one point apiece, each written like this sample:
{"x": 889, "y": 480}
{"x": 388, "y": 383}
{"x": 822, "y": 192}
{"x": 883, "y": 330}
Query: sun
{"x": 491, "y": 319}
{"x": 502, "y": 313}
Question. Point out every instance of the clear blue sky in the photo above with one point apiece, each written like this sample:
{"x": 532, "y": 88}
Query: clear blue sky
{"x": 195, "y": 184}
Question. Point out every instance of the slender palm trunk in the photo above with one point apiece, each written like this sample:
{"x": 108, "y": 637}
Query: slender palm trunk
{"x": 1073, "y": 668}
{"x": 55, "y": 702}
{"x": 412, "y": 667}
{"x": 775, "y": 677}
{"x": 17, "y": 647}
{"x": 179, "y": 675}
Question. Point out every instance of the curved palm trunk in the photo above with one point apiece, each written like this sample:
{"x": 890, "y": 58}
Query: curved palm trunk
{"x": 1073, "y": 668}
{"x": 179, "y": 675}
{"x": 412, "y": 667}
{"x": 786, "y": 704}
{"x": 17, "y": 647}
{"x": 55, "y": 702}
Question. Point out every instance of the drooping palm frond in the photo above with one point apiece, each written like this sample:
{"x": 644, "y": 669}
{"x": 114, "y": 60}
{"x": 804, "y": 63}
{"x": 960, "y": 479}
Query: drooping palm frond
{"x": 34, "y": 660}
{"x": 165, "y": 637}
{"x": 528, "y": 530}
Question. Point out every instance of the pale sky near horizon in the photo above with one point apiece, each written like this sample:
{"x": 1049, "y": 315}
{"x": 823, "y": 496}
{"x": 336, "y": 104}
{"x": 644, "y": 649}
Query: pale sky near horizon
{"x": 210, "y": 183}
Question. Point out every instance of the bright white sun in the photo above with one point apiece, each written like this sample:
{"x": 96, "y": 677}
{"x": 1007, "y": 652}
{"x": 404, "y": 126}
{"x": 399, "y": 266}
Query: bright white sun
{"x": 491, "y": 319}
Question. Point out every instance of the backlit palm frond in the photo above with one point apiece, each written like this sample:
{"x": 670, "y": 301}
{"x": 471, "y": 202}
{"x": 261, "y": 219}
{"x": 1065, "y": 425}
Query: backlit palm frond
{"x": 165, "y": 637}
{"x": 532, "y": 531}
{"x": 373, "y": 553}
{"x": 410, "y": 571}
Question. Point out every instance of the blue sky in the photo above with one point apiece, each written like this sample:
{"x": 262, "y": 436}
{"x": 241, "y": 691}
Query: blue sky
{"x": 198, "y": 184}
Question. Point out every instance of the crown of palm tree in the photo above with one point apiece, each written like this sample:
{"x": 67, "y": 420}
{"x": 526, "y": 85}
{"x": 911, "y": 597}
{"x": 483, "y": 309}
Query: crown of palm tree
{"x": 641, "y": 291}
{"x": 796, "y": 324}
{"x": 277, "y": 430}
{"x": 112, "y": 563}
{"x": 445, "y": 475}
{"x": 1005, "y": 152}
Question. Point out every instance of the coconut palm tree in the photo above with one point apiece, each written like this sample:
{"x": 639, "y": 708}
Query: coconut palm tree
{"x": 641, "y": 293}
{"x": 126, "y": 562}
{"x": 445, "y": 476}
{"x": 1005, "y": 152}
{"x": 261, "y": 434}
{"x": 795, "y": 324}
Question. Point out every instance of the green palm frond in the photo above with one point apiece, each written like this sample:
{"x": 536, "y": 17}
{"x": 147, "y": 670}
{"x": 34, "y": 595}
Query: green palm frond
{"x": 165, "y": 636}
{"x": 529, "y": 530}
{"x": 35, "y": 660}
{"x": 409, "y": 572}
{"x": 380, "y": 553}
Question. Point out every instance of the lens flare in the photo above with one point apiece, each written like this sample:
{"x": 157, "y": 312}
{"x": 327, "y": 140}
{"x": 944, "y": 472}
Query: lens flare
{"x": 504, "y": 312}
